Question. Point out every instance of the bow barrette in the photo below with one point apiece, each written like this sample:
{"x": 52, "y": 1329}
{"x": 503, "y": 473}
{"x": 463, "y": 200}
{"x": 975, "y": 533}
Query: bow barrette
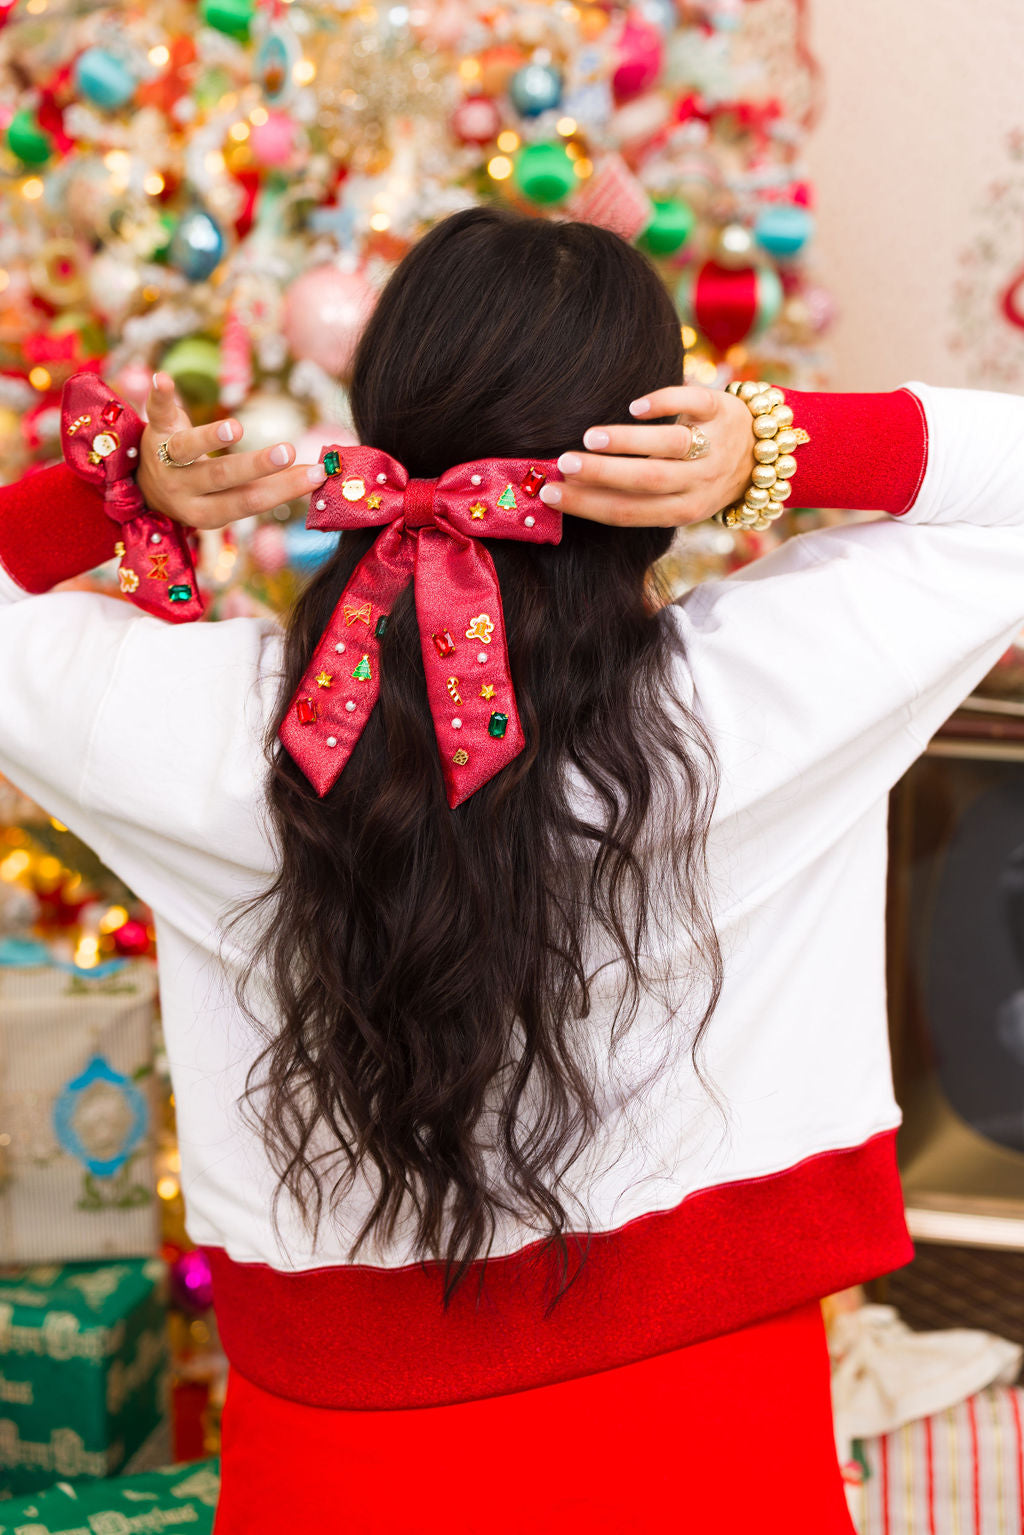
{"x": 100, "y": 438}
{"x": 430, "y": 537}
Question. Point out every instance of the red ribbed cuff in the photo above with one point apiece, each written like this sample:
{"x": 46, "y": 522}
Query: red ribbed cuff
{"x": 52, "y": 527}
{"x": 867, "y": 451}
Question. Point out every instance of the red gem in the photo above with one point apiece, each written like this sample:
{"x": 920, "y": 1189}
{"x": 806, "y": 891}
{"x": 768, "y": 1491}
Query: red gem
{"x": 111, "y": 413}
{"x": 305, "y": 708}
{"x": 533, "y": 482}
{"x": 443, "y": 643}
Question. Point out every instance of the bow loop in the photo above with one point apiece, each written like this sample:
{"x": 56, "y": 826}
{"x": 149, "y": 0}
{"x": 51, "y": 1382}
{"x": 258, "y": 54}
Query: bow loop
{"x": 100, "y": 437}
{"x": 432, "y": 537}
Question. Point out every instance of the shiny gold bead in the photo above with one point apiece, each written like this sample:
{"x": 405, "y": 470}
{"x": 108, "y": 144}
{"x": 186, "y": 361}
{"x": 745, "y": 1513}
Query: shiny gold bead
{"x": 759, "y": 404}
{"x": 783, "y": 415}
{"x": 761, "y": 523}
{"x": 774, "y": 510}
{"x": 782, "y": 490}
{"x": 786, "y": 440}
{"x": 776, "y": 396}
{"x": 763, "y": 476}
{"x": 785, "y": 467}
{"x": 765, "y": 426}
{"x": 748, "y": 389}
{"x": 756, "y": 499}
{"x": 766, "y": 452}
{"x": 733, "y": 388}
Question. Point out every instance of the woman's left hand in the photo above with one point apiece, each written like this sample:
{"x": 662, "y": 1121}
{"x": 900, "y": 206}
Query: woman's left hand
{"x": 205, "y": 492}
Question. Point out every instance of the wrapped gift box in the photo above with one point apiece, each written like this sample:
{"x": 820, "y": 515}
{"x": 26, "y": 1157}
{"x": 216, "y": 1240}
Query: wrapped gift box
{"x": 180, "y": 1497}
{"x": 76, "y": 1120}
{"x": 83, "y": 1369}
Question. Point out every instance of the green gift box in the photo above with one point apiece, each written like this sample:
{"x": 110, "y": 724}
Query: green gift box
{"x": 180, "y": 1497}
{"x": 83, "y": 1369}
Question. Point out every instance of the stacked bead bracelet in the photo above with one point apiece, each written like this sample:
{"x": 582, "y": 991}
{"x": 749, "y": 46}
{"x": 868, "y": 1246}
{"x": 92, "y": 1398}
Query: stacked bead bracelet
{"x": 776, "y": 438}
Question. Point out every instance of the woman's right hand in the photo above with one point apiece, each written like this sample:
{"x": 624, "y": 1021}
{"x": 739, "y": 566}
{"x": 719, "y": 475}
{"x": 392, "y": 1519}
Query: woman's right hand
{"x": 639, "y": 476}
{"x": 205, "y": 492}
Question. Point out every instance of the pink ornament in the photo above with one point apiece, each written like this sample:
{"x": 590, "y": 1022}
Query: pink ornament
{"x": 639, "y": 57}
{"x": 476, "y": 120}
{"x": 273, "y": 142}
{"x": 267, "y": 549}
{"x": 235, "y": 363}
{"x": 132, "y": 382}
{"x": 325, "y": 311}
{"x": 131, "y": 939}
{"x": 192, "y": 1283}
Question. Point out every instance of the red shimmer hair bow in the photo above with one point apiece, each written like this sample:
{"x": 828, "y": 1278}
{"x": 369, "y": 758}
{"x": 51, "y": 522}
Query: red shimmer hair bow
{"x": 100, "y": 438}
{"x": 430, "y": 538}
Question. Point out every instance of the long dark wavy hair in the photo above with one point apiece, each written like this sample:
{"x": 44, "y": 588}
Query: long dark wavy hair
{"x": 428, "y": 968}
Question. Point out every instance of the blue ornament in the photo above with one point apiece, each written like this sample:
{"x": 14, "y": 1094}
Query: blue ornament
{"x": 660, "y": 13}
{"x": 103, "y": 79}
{"x": 197, "y": 245}
{"x": 783, "y": 229}
{"x": 100, "y": 1117}
{"x": 308, "y": 548}
{"x": 534, "y": 89}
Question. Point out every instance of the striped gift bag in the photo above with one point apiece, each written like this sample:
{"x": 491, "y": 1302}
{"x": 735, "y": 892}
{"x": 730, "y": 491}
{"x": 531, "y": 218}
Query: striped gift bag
{"x": 960, "y": 1472}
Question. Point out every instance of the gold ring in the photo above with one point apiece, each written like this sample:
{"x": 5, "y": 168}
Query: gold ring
{"x": 700, "y": 446}
{"x": 164, "y": 456}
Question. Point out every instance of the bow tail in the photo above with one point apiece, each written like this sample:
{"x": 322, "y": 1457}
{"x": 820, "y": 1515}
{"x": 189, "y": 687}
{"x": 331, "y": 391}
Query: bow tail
{"x": 340, "y": 686}
{"x": 465, "y": 659}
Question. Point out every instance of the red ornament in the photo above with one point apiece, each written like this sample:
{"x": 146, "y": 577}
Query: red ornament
{"x": 476, "y": 120}
{"x": 533, "y": 482}
{"x": 443, "y": 643}
{"x": 305, "y": 708}
{"x": 131, "y": 939}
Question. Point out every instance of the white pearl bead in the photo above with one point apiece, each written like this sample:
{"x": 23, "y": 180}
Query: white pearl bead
{"x": 382, "y": 479}
{"x": 133, "y": 452}
{"x": 456, "y": 724}
{"x": 350, "y": 706}
{"x": 155, "y": 538}
{"x": 332, "y": 740}
{"x": 340, "y": 647}
{"x": 321, "y": 505}
{"x": 481, "y": 656}
{"x": 529, "y": 521}
{"x": 475, "y": 479}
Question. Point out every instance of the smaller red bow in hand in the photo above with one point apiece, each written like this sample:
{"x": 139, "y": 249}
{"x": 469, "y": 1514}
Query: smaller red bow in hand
{"x": 431, "y": 537}
{"x": 100, "y": 438}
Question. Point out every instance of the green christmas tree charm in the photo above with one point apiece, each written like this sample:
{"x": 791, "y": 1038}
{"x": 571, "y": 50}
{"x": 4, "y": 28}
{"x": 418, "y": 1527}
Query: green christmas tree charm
{"x": 362, "y": 672}
{"x": 507, "y": 499}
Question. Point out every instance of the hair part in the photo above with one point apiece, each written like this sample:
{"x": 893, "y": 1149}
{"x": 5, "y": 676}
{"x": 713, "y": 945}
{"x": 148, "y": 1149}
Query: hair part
{"x": 430, "y": 969}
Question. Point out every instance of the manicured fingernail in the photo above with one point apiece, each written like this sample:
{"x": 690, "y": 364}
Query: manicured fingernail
{"x": 551, "y": 495}
{"x": 595, "y": 438}
{"x": 225, "y": 431}
{"x": 316, "y": 474}
{"x": 570, "y": 463}
{"x": 279, "y": 455}
{"x": 639, "y": 407}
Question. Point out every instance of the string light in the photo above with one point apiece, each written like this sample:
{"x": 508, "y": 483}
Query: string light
{"x": 154, "y": 183}
{"x": 14, "y": 865}
{"x": 583, "y": 167}
{"x": 5, "y": 278}
{"x": 500, "y": 168}
{"x": 380, "y": 221}
{"x": 40, "y": 379}
{"x": 118, "y": 161}
{"x": 36, "y": 7}
{"x": 159, "y": 54}
{"x": 239, "y": 132}
{"x": 508, "y": 141}
{"x": 167, "y": 1187}
{"x": 32, "y": 188}
{"x": 87, "y": 952}
{"x": 304, "y": 71}
{"x": 469, "y": 69}
{"x": 566, "y": 126}
{"x": 689, "y": 337}
{"x": 258, "y": 115}
{"x": 111, "y": 920}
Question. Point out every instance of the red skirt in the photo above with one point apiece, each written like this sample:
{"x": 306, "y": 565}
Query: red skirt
{"x": 732, "y": 1436}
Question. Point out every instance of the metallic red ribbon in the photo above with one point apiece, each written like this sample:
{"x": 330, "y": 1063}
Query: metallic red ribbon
{"x": 430, "y": 537}
{"x": 100, "y": 438}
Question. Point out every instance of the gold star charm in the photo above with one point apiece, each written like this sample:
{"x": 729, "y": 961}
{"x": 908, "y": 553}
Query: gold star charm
{"x": 373, "y": 502}
{"x": 324, "y": 680}
{"x": 477, "y": 510}
{"x": 487, "y": 691}
{"x": 481, "y": 628}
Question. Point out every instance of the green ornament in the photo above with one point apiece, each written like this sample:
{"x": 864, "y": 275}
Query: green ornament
{"x": 231, "y": 16}
{"x": 497, "y": 725}
{"x": 194, "y": 364}
{"x": 25, "y": 138}
{"x": 544, "y": 173}
{"x": 332, "y": 462}
{"x": 381, "y": 625}
{"x": 179, "y": 593}
{"x": 362, "y": 672}
{"x": 670, "y": 228}
{"x": 507, "y": 499}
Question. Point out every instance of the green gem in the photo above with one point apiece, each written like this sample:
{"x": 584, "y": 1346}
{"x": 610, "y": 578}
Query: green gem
{"x": 507, "y": 499}
{"x": 497, "y": 725}
{"x": 332, "y": 462}
{"x": 362, "y": 672}
{"x": 179, "y": 593}
{"x": 381, "y": 625}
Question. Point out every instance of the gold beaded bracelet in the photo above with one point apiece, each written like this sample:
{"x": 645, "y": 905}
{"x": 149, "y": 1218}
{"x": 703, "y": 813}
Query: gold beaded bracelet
{"x": 775, "y": 439}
